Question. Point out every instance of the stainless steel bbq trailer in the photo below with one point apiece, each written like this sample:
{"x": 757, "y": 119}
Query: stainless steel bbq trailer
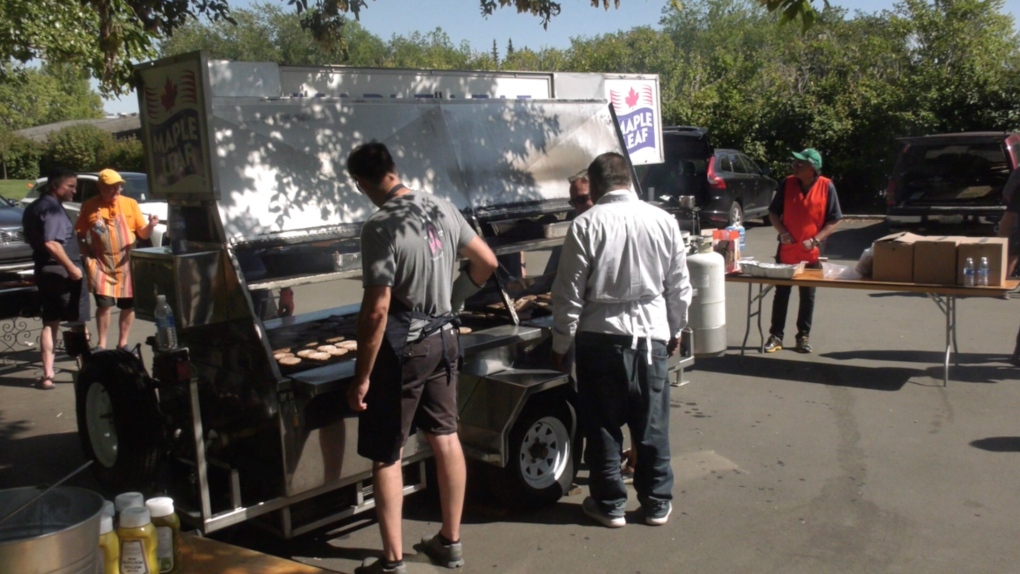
{"x": 259, "y": 200}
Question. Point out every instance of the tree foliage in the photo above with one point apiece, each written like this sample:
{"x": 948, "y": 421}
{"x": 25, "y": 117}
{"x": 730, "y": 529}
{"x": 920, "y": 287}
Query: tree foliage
{"x": 19, "y": 157}
{"x": 51, "y": 93}
{"x": 83, "y": 147}
{"x": 105, "y": 37}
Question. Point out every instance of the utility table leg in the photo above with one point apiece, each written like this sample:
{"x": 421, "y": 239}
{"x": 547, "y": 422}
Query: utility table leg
{"x": 947, "y": 305}
{"x": 751, "y": 313}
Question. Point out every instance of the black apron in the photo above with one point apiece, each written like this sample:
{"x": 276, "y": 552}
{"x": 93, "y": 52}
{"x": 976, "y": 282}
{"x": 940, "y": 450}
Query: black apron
{"x": 398, "y": 327}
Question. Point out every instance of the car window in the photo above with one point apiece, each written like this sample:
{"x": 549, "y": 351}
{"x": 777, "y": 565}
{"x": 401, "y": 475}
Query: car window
{"x": 661, "y": 177}
{"x": 87, "y": 189}
{"x": 749, "y": 165}
{"x": 725, "y": 163}
{"x": 956, "y": 159}
{"x": 137, "y": 188}
{"x": 738, "y": 166}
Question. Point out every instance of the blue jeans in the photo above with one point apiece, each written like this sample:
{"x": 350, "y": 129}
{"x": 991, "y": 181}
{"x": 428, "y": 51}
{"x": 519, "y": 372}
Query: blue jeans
{"x": 616, "y": 386}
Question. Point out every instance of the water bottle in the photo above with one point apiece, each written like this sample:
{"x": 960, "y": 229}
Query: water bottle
{"x": 982, "y": 273}
{"x": 968, "y": 273}
{"x": 166, "y": 329}
{"x": 99, "y": 229}
{"x": 743, "y": 235}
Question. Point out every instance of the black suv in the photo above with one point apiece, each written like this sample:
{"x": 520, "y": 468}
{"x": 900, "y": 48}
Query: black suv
{"x": 951, "y": 177}
{"x": 728, "y": 187}
{"x": 15, "y": 254}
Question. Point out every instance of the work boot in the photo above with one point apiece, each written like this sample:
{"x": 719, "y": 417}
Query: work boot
{"x": 450, "y": 556}
{"x": 773, "y": 344}
{"x": 803, "y": 346}
{"x": 377, "y": 566}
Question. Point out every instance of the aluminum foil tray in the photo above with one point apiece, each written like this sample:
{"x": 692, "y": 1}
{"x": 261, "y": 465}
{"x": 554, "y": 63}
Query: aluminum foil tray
{"x": 771, "y": 270}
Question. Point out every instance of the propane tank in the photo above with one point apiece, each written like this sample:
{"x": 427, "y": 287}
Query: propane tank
{"x": 706, "y": 316}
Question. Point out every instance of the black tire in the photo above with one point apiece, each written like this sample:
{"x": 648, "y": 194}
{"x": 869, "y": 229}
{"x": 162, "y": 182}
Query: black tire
{"x": 119, "y": 421}
{"x": 544, "y": 457}
{"x": 736, "y": 214}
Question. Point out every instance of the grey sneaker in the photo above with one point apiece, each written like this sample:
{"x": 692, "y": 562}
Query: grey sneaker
{"x": 451, "y": 556}
{"x": 591, "y": 508}
{"x": 376, "y": 566}
{"x": 773, "y": 344}
{"x": 657, "y": 513}
{"x": 803, "y": 346}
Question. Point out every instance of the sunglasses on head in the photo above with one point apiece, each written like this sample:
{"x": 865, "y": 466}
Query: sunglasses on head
{"x": 580, "y": 200}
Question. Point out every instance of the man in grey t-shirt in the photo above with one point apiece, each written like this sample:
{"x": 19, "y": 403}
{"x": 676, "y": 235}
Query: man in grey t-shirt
{"x": 406, "y": 368}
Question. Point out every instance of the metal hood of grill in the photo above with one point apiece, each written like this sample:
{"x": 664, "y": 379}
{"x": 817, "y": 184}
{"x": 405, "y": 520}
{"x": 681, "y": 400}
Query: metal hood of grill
{"x": 279, "y": 163}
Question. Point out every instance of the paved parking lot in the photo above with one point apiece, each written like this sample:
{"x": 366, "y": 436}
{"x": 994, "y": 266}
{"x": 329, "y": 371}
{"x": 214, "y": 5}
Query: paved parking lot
{"x": 852, "y": 459}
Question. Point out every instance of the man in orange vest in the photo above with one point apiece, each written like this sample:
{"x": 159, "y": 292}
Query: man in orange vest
{"x": 805, "y": 210}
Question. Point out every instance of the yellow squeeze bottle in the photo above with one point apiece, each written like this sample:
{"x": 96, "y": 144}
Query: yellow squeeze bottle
{"x": 109, "y": 546}
{"x": 168, "y": 533}
{"x": 137, "y": 542}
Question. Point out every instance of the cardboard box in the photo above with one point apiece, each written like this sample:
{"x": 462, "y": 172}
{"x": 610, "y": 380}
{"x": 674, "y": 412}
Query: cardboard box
{"x": 996, "y": 249}
{"x": 935, "y": 260}
{"x": 894, "y": 258}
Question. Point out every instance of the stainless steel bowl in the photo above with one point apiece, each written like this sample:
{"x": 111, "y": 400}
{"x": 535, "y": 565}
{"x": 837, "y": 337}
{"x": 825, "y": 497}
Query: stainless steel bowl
{"x": 687, "y": 202}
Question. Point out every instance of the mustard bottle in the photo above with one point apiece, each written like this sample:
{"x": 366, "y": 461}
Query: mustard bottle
{"x": 168, "y": 533}
{"x": 128, "y": 499}
{"x": 137, "y": 542}
{"x": 109, "y": 546}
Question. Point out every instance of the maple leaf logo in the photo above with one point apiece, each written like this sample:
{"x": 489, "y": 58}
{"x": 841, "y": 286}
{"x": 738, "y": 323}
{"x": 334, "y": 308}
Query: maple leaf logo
{"x": 632, "y": 98}
{"x": 169, "y": 97}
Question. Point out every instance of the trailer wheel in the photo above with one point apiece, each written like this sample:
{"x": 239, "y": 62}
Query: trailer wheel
{"x": 543, "y": 457}
{"x": 119, "y": 421}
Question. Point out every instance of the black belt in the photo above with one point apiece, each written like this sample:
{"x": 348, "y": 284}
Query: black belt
{"x": 611, "y": 339}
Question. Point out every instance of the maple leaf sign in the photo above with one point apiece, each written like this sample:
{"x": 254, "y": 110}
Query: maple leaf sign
{"x": 169, "y": 96}
{"x": 632, "y": 98}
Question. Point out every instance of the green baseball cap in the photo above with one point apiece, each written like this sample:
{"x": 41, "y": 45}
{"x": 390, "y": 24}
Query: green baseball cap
{"x": 811, "y": 155}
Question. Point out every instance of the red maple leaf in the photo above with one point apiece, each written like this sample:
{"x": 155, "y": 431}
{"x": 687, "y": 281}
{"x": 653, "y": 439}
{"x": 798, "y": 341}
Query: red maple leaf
{"x": 632, "y": 98}
{"x": 169, "y": 97}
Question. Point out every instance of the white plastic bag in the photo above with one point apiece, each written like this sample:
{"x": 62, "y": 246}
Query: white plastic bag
{"x": 866, "y": 262}
{"x": 833, "y": 271}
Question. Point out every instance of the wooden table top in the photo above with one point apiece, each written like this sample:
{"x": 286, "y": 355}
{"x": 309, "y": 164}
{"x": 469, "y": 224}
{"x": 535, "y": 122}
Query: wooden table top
{"x": 207, "y": 556}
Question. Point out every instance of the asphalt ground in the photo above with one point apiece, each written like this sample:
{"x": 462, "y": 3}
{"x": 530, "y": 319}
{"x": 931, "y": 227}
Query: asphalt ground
{"x": 854, "y": 458}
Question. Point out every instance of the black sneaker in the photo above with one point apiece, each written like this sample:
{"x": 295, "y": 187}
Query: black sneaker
{"x": 773, "y": 344}
{"x": 657, "y": 514}
{"x": 802, "y": 345}
{"x": 591, "y": 508}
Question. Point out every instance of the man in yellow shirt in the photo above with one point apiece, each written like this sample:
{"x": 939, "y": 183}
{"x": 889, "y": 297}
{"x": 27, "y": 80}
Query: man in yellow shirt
{"x": 108, "y": 226}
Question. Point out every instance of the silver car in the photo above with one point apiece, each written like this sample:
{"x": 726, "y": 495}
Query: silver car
{"x": 136, "y": 186}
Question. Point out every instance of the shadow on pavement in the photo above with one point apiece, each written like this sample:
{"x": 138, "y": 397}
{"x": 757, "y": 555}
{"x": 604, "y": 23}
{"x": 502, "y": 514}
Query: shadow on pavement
{"x": 872, "y": 378}
{"x": 973, "y": 367}
{"x": 998, "y": 444}
{"x": 40, "y": 459}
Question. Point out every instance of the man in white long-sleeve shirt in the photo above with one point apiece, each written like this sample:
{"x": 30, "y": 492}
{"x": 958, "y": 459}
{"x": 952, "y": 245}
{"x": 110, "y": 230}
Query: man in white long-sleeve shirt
{"x": 622, "y": 289}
